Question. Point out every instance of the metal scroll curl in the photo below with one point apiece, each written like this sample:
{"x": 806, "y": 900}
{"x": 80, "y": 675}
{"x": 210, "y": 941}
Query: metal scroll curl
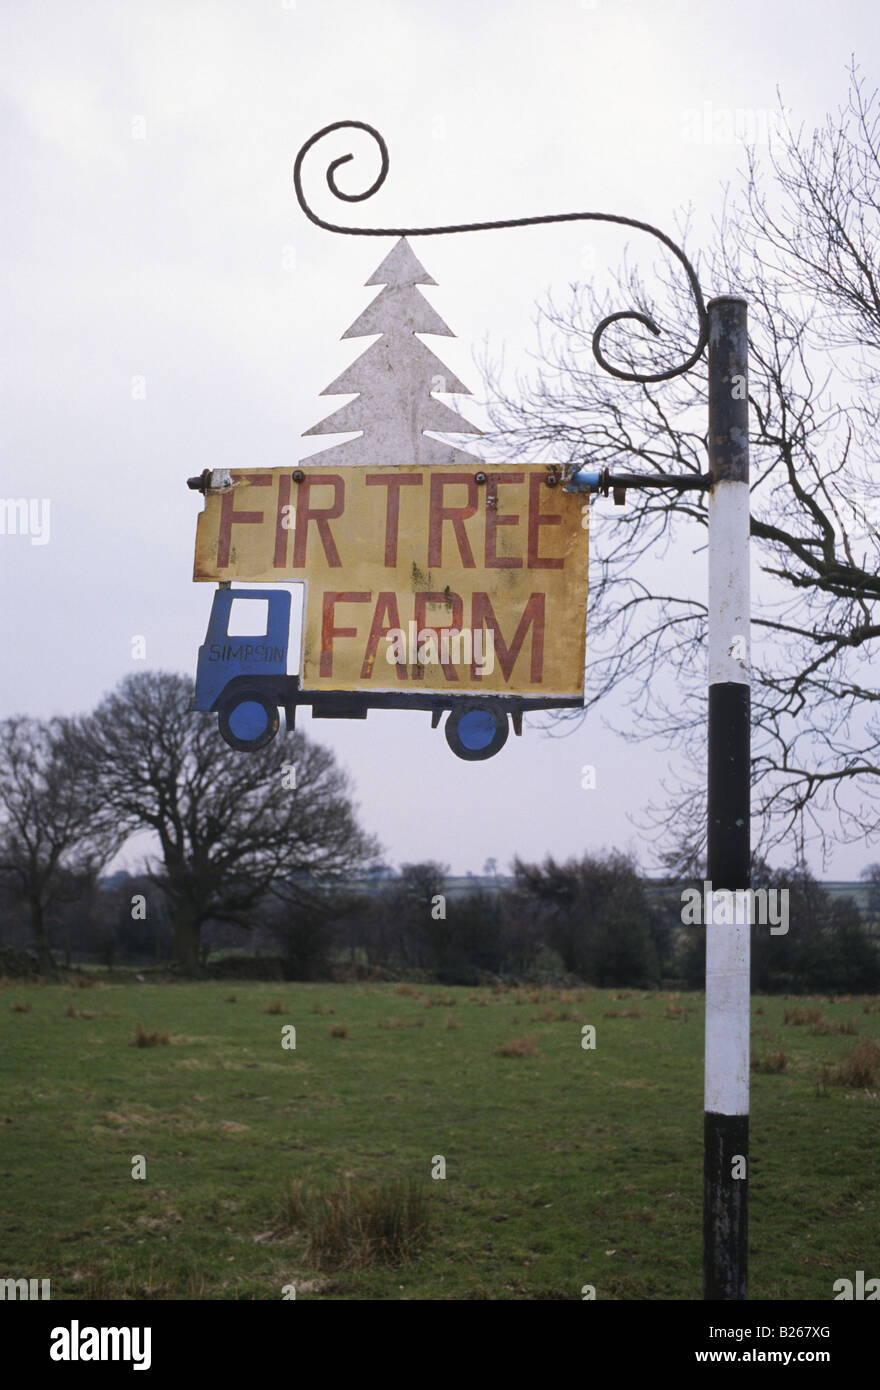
{"x": 377, "y": 183}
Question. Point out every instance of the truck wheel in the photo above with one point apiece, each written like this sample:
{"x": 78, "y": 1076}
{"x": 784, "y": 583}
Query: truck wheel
{"x": 248, "y": 720}
{"x": 474, "y": 732}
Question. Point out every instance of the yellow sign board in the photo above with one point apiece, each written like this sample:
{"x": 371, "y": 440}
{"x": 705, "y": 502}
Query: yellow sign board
{"x": 417, "y": 579}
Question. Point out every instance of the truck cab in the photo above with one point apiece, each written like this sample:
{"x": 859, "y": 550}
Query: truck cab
{"x": 242, "y": 666}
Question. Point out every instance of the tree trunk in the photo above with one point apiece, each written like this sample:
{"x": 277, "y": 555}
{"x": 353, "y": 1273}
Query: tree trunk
{"x": 45, "y": 962}
{"x": 187, "y": 932}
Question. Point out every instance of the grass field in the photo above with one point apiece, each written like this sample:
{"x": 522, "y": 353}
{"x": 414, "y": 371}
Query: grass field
{"x": 564, "y": 1166}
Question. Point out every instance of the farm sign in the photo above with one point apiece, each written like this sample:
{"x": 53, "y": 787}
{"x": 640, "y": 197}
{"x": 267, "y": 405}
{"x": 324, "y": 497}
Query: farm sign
{"x": 428, "y": 578}
{"x": 437, "y": 578}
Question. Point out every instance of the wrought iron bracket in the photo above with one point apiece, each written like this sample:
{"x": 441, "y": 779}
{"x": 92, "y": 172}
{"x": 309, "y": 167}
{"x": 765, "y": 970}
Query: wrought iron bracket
{"x": 602, "y": 481}
{"x": 644, "y": 319}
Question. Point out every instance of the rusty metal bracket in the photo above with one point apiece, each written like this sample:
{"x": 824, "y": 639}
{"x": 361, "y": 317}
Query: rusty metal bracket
{"x": 602, "y": 481}
{"x": 212, "y": 480}
{"x": 643, "y": 319}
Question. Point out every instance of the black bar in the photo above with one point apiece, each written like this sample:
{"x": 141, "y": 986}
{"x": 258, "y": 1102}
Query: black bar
{"x": 728, "y": 406}
{"x": 725, "y": 1207}
{"x": 685, "y": 483}
{"x": 728, "y": 852}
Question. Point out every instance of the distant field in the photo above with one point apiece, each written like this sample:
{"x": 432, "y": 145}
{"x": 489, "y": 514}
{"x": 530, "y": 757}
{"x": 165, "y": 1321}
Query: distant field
{"x": 564, "y": 1167}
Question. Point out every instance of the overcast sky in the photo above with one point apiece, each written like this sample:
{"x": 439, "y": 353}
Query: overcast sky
{"x": 150, "y": 231}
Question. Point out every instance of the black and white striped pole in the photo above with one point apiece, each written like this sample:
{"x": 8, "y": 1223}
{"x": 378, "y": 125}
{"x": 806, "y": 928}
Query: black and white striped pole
{"x": 726, "y": 1095}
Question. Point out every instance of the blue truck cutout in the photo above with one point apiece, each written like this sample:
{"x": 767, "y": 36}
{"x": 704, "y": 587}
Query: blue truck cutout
{"x": 244, "y": 680}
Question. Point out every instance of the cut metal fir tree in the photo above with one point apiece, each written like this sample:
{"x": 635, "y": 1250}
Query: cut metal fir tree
{"x": 396, "y": 379}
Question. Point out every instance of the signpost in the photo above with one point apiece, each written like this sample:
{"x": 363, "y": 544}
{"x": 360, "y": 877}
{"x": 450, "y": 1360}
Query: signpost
{"x": 726, "y": 1099}
{"x": 398, "y": 536}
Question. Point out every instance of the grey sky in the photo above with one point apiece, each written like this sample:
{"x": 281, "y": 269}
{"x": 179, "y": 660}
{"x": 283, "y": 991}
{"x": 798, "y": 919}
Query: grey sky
{"x": 150, "y": 231}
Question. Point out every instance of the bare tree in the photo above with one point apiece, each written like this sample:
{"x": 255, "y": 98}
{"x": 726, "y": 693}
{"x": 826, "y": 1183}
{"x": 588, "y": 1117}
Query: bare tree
{"x": 419, "y": 920}
{"x": 596, "y": 916}
{"x": 232, "y": 827}
{"x": 55, "y": 831}
{"x": 799, "y": 242}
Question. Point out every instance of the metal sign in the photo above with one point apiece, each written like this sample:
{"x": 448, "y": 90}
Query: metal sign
{"x": 432, "y": 580}
{"x": 417, "y": 580}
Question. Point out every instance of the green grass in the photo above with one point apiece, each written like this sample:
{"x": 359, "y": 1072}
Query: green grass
{"x": 563, "y": 1166}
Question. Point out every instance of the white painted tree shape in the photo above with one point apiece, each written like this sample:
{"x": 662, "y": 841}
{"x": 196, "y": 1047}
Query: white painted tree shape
{"x": 396, "y": 378}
